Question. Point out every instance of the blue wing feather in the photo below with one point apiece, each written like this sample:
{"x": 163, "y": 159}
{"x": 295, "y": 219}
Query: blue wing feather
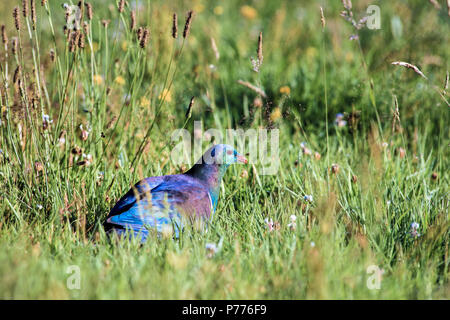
{"x": 161, "y": 203}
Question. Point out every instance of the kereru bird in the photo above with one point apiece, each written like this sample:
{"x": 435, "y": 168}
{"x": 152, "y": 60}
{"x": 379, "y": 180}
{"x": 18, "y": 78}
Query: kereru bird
{"x": 166, "y": 204}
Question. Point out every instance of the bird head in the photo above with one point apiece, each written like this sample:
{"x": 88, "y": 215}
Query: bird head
{"x": 223, "y": 154}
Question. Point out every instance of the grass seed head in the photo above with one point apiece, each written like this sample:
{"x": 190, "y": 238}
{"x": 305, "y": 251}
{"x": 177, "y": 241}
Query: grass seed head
{"x": 174, "y": 26}
{"x": 187, "y": 25}
{"x": 38, "y": 166}
{"x": 436, "y": 4}
{"x": 15, "y": 46}
{"x": 410, "y": 66}
{"x": 260, "y": 50}
{"x": 139, "y": 32}
{"x": 16, "y": 76}
{"x": 214, "y": 48}
{"x": 4, "y": 35}
{"x": 81, "y": 41}
{"x": 88, "y": 10}
{"x": 133, "y": 20}
{"x": 401, "y": 152}
{"x": 257, "y": 102}
{"x": 121, "y": 5}
{"x": 144, "y": 38}
{"x": 73, "y": 39}
{"x": 86, "y": 28}
{"x": 335, "y": 168}
{"x": 33, "y": 13}
{"x": 25, "y": 8}
{"x": 77, "y": 150}
{"x": 16, "y": 17}
{"x": 347, "y": 4}
{"x": 252, "y": 87}
{"x": 66, "y": 12}
{"x": 189, "y": 110}
{"x": 52, "y": 55}
{"x": 322, "y": 18}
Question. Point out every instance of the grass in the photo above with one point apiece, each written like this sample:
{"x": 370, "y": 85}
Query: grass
{"x": 59, "y": 181}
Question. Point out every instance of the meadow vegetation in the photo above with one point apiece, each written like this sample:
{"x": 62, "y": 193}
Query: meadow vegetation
{"x": 89, "y": 99}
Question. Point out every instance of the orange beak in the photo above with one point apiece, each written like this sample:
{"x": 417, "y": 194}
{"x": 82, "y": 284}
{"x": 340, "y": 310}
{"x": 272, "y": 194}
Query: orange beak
{"x": 241, "y": 158}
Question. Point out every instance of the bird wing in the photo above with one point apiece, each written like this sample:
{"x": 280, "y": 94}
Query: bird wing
{"x": 134, "y": 193}
{"x": 165, "y": 207}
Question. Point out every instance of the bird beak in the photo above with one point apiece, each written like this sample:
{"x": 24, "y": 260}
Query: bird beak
{"x": 241, "y": 158}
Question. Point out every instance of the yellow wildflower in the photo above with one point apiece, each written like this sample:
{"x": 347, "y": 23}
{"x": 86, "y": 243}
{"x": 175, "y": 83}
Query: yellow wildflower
{"x": 177, "y": 261}
{"x": 98, "y": 79}
{"x": 199, "y": 8}
{"x": 144, "y": 102}
{"x": 166, "y": 95}
{"x": 311, "y": 53}
{"x": 248, "y": 12}
{"x": 218, "y": 10}
{"x": 94, "y": 47}
{"x": 349, "y": 57}
{"x": 124, "y": 45}
{"x": 119, "y": 80}
{"x": 276, "y": 114}
{"x": 285, "y": 90}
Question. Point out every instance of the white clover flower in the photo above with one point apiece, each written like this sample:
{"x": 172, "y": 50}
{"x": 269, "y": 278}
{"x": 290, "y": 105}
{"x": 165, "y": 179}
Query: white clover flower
{"x": 269, "y": 224}
{"x": 88, "y": 159}
{"x": 339, "y": 120}
{"x": 341, "y": 123}
{"x": 39, "y": 206}
{"x": 414, "y": 232}
{"x": 292, "y": 225}
{"x": 100, "y": 175}
{"x": 307, "y": 151}
{"x": 312, "y": 244}
{"x": 212, "y": 248}
{"x": 46, "y": 121}
{"x": 308, "y": 198}
{"x": 85, "y": 132}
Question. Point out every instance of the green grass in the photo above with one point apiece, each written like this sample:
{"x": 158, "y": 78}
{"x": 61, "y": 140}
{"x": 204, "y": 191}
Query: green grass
{"x": 52, "y": 204}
